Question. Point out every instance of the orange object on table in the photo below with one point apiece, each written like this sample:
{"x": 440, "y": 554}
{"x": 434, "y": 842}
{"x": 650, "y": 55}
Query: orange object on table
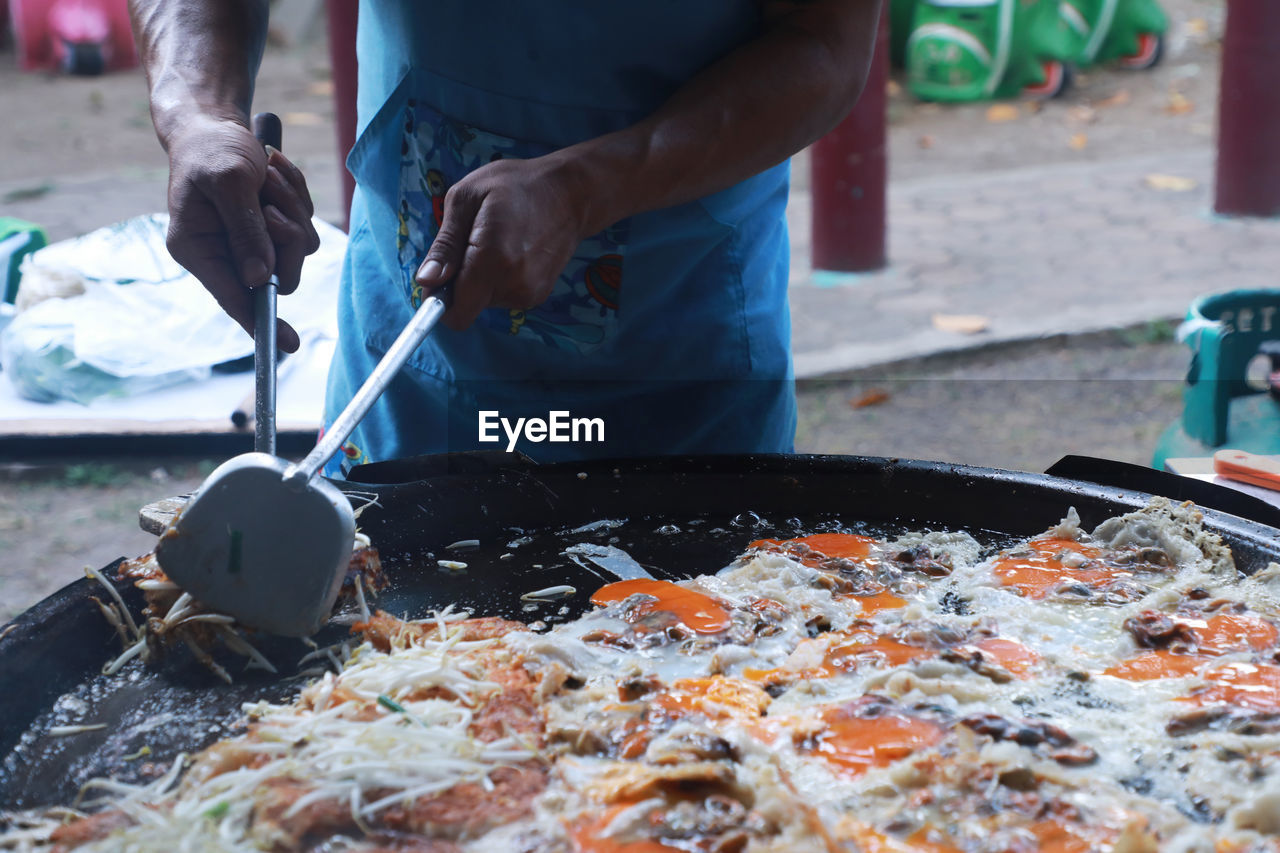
{"x": 1251, "y": 468}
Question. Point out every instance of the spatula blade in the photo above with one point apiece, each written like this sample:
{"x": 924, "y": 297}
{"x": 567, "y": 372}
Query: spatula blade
{"x": 252, "y": 547}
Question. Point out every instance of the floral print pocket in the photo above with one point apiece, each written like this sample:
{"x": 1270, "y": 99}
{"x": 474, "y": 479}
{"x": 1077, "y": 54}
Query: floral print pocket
{"x": 436, "y": 152}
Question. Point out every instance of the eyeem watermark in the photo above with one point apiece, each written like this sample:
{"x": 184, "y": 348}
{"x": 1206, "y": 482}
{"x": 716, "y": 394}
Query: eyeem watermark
{"x": 558, "y": 427}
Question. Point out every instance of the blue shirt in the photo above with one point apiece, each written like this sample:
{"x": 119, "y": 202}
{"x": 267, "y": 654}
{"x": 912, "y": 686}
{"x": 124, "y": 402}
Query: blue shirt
{"x": 670, "y": 326}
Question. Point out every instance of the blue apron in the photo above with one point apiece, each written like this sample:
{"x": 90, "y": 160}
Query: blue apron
{"x": 669, "y": 328}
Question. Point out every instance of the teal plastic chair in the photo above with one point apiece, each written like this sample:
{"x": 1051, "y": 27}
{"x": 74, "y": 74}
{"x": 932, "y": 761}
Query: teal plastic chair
{"x": 17, "y": 240}
{"x": 1220, "y": 408}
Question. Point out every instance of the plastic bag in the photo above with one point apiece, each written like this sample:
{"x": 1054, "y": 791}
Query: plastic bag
{"x": 142, "y": 322}
{"x": 38, "y": 350}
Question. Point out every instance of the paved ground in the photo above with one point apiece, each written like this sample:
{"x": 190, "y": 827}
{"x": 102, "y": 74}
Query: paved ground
{"x": 1036, "y": 251}
{"x": 81, "y": 152}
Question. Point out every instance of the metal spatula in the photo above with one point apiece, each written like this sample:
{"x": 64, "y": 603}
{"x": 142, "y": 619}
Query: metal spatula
{"x": 266, "y": 541}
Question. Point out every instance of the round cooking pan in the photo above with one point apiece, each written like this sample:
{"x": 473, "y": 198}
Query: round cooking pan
{"x": 676, "y": 516}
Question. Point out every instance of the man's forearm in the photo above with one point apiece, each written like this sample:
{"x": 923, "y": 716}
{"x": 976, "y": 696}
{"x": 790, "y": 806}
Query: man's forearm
{"x": 749, "y": 111}
{"x": 200, "y": 56}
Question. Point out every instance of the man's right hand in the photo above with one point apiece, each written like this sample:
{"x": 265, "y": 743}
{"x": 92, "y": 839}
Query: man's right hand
{"x": 237, "y": 214}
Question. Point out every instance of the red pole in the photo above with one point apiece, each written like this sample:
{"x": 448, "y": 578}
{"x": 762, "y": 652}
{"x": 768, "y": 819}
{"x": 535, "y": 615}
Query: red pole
{"x": 1248, "y": 180}
{"x": 342, "y": 56}
{"x": 848, "y": 172}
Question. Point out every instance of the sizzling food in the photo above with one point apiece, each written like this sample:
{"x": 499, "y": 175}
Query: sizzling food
{"x": 1115, "y": 690}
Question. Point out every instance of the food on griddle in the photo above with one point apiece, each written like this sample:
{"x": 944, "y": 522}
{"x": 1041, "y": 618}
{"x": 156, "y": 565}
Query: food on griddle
{"x": 172, "y": 617}
{"x": 1114, "y": 691}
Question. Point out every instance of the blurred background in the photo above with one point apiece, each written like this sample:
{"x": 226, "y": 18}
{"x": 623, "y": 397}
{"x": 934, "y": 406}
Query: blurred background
{"x": 1045, "y": 234}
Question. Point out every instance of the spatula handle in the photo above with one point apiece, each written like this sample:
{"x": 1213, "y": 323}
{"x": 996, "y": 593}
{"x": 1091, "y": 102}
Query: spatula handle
{"x": 267, "y": 128}
{"x": 410, "y": 338}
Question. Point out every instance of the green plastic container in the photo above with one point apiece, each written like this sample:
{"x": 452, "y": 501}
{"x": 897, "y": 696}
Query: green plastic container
{"x": 1219, "y": 407}
{"x": 18, "y": 238}
{"x": 1131, "y": 31}
{"x": 971, "y": 50}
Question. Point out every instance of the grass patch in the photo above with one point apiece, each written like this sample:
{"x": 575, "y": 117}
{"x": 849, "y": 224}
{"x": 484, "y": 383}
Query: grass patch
{"x": 1152, "y": 332}
{"x": 94, "y": 474}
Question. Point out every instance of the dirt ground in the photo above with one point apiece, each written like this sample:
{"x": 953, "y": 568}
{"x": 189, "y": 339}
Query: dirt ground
{"x": 1024, "y": 408}
{"x": 1021, "y": 409}
{"x": 72, "y": 128}
{"x": 57, "y": 519}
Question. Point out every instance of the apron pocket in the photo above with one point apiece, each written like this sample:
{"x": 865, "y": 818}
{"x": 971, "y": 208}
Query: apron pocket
{"x": 435, "y": 152}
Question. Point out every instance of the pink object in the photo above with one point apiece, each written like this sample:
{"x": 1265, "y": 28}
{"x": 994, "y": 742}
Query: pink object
{"x": 80, "y": 36}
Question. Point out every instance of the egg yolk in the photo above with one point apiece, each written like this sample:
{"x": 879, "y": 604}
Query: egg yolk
{"x": 1010, "y": 654}
{"x": 877, "y": 601}
{"x": 717, "y": 698}
{"x": 1218, "y": 635}
{"x": 587, "y": 836}
{"x": 863, "y": 648}
{"x": 1152, "y": 666}
{"x": 869, "y": 648}
{"x": 1035, "y": 575}
{"x": 1244, "y": 685}
{"x": 1233, "y": 632}
{"x": 866, "y": 648}
{"x": 1055, "y": 836}
{"x": 885, "y": 651}
{"x": 699, "y": 612}
{"x": 847, "y": 546}
{"x": 855, "y": 745}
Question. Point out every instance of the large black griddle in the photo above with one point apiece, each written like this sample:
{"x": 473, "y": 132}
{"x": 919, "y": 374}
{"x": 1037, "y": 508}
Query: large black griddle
{"x": 676, "y": 516}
